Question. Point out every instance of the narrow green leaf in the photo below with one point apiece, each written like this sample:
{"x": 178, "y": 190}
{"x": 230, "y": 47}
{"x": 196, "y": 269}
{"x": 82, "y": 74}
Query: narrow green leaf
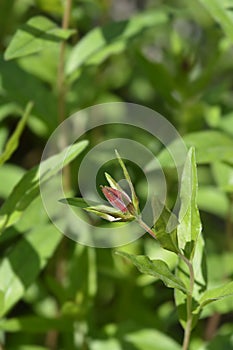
{"x": 215, "y": 294}
{"x": 13, "y": 142}
{"x": 33, "y": 36}
{"x": 127, "y": 177}
{"x": 21, "y": 266}
{"x": 189, "y": 227}
{"x": 221, "y": 15}
{"x": 76, "y": 202}
{"x": 100, "y": 43}
{"x": 156, "y": 268}
{"x": 109, "y": 213}
{"x": 112, "y": 182}
{"x": 28, "y": 187}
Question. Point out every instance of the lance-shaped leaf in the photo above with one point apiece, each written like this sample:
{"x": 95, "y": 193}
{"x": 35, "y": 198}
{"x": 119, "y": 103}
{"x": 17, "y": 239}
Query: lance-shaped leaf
{"x": 155, "y": 268}
{"x": 112, "y": 182}
{"x": 190, "y": 225}
{"x": 13, "y": 142}
{"x": 215, "y": 294}
{"x": 127, "y": 177}
{"x": 109, "y": 213}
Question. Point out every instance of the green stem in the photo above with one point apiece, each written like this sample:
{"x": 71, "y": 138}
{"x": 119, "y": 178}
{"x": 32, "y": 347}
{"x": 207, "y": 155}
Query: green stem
{"x": 145, "y": 227}
{"x": 188, "y": 328}
{"x": 62, "y": 91}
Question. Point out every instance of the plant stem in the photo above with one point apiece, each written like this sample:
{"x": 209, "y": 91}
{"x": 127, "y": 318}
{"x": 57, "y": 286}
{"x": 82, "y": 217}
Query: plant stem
{"x": 188, "y": 329}
{"x": 146, "y": 227}
{"x": 62, "y": 91}
{"x": 61, "y": 64}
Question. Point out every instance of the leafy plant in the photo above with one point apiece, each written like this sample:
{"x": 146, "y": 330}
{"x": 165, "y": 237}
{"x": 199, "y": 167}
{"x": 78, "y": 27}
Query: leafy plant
{"x": 190, "y": 280}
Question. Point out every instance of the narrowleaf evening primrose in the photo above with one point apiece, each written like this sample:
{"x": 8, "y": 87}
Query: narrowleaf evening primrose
{"x": 123, "y": 207}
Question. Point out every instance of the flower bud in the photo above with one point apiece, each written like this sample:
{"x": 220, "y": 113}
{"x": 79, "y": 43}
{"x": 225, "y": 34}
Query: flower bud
{"x": 118, "y": 199}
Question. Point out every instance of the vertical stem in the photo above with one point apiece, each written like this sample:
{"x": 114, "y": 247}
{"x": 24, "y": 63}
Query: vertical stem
{"x": 146, "y": 227}
{"x": 188, "y": 329}
{"x": 52, "y": 336}
{"x": 62, "y": 90}
{"x": 61, "y": 64}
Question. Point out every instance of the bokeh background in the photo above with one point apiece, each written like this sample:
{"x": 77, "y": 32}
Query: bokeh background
{"x": 177, "y": 59}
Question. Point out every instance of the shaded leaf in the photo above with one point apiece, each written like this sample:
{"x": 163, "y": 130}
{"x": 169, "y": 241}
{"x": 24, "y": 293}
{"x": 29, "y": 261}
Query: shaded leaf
{"x": 166, "y": 237}
{"x": 20, "y": 87}
{"x": 35, "y": 324}
{"x": 13, "y": 142}
{"x": 16, "y": 273}
{"x": 221, "y": 15}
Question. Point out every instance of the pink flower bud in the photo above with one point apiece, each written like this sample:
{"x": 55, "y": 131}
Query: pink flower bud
{"x": 118, "y": 199}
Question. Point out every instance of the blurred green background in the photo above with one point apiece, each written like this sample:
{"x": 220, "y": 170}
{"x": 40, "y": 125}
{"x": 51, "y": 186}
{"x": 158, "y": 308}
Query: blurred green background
{"x": 177, "y": 59}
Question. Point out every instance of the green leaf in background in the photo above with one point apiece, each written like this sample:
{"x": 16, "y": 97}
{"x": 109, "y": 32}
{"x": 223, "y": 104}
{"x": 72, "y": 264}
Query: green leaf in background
{"x": 19, "y": 86}
{"x": 28, "y": 187}
{"x": 76, "y": 202}
{"x": 221, "y": 15}
{"x": 163, "y": 82}
{"x": 13, "y": 142}
{"x": 21, "y": 266}
{"x": 33, "y": 36}
{"x": 210, "y": 146}
{"x": 156, "y": 268}
{"x": 215, "y": 294}
{"x": 226, "y": 124}
{"x": 223, "y": 174}
{"x": 189, "y": 227}
{"x": 35, "y": 324}
{"x": 10, "y": 174}
{"x": 213, "y": 200}
{"x": 9, "y": 108}
{"x": 100, "y": 43}
{"x": 151, "y": 339}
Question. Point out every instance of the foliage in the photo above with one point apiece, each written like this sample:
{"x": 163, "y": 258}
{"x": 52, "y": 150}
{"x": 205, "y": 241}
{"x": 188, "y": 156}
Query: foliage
{"x": 175, "y": 59}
